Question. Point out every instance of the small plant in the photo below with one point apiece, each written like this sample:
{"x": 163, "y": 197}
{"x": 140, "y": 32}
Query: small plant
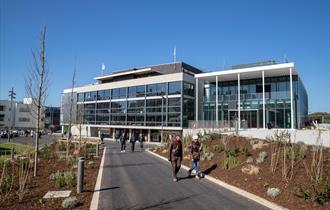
{"x": 230, "y": 161}
{"x": 71, "y": 161}
{"x": 23, "y": 175}
{"x": 249, "y": 160}
{"x": 273, "y": 192}
{"x": 62, "y": 147}
{"x": 303, "y": 193}
{"x": 70, "y": 202}
{"x": 68, "y": 178}
{"x": 261, "y": 157}
{"x": 323, "y": 197}
{"x": 244, "y": 151}
{"x": 58, "y": 178}
{"x": 47, "y": 152}
{"x": 254, "y": 141}
{"x": 217, "y": 148}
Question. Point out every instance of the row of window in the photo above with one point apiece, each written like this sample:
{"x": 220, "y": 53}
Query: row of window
{"x": 159, "y": 89}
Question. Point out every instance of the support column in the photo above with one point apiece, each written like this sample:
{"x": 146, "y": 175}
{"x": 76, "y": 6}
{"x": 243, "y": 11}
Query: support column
{"x": 239, "y": 101}
{"x": 114, "y": 133}
{"x": 263, "y": 101}
{"x": 149, "y": 135}
{"x": 216, "y": 102}
{"x": 196, "y": 87}
{"x": 291, "y": 99}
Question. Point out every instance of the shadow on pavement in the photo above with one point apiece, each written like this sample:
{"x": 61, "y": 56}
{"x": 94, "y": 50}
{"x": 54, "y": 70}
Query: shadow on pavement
{"x": 105, "y": 189}
{"x": 208, "y": 171}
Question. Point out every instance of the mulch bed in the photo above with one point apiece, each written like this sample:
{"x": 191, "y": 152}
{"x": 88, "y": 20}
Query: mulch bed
{"x": 39, "y": 186}
{"x": 258, "y": 184}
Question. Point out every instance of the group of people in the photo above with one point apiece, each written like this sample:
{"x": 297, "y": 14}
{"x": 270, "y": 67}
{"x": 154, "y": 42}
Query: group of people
{"x": 175, "y": 153}
{"x": 124, "y": 137}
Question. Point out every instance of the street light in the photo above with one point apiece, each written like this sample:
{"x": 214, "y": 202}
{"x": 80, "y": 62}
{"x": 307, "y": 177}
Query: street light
{"x": 12, "y": 96}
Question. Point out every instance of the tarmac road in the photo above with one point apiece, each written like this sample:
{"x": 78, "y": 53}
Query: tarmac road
{"x": 141, "y": 181}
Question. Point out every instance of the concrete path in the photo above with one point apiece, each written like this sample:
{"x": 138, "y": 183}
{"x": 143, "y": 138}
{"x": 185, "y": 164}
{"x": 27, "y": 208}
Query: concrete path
{"x": 141, "y": 181}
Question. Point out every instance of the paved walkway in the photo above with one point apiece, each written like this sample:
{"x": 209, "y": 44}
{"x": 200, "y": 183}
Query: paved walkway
{"x": 141, "y": 181}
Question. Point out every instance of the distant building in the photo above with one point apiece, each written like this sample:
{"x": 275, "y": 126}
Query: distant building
{"x": 21, "y": 115}
{"x": 52, "y": 116}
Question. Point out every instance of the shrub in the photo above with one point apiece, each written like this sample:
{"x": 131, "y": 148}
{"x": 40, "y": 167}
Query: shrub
{"x": 70, "y": 202}
{"x": 71, "y": 161}
{"x": 249, "y": 160}
{"x": 7, "y": 177}
{"x": 62, "y": 147}
{"x": 232, "y": 152}
{"x": 58, "y": 178}
{"x": 68, "y": 178}
{"x": 323, "y": 197}
{"x": 254, "y": 141}
{"x": 216, "y": 148}
{"x": 230, "y": 162}
{"x": 303, "y": 193}
{"x": 47, "y": 152}
{"x": 261, "y": 157}
{"x": 273, "y": 192}
{"x": 244, "y": 151}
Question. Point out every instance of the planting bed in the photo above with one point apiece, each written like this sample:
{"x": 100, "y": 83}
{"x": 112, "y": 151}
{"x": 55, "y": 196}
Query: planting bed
{"x": 38, "y": 186}
{"x": 292, "y": 189}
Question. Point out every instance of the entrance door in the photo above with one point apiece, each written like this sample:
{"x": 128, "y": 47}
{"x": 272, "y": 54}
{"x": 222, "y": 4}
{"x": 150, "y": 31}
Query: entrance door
{"x": 249, "y": 118}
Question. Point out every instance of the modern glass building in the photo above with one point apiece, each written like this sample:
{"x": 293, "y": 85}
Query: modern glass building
{"x": 259, "y": 95}
{"x": 161, "y": 100}
{"x": 155, "y": 100}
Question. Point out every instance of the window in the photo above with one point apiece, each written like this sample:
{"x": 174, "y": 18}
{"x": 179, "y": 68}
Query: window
{"x": 136, "y": 91}
{"x": 2, "y": 117}
{"x": 174, "y": 88}
{"x": 188, "y": 89}
{"x": 91, "y": 96}
{"x": 103, "y": 95}
{"x": 24, "y": 119}
{"x": 118, "y": 93}
{"x": 24, "y": 109}
{"x": 2, "y": 108}
{"x": 156, "y": 89}
{"x": 81, "y": 97}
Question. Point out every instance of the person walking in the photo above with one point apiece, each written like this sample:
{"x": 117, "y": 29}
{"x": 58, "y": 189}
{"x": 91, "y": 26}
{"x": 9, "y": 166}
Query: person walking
{"x": 102, "y": 137}
{"x": 123, "y": 142}
{"x": 175, "y": 156}
{"x": 195, "y": 153}
{"x": 133, "y": 140}
{"x": 141, "y": 140}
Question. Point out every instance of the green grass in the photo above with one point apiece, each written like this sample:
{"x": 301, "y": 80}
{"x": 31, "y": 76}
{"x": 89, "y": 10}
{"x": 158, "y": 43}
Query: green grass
{"x": 5, "y": 148}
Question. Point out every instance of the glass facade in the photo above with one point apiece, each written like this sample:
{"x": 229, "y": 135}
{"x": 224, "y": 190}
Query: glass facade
{"x": 277, "y": 102}
{"x": 163, "y": 104}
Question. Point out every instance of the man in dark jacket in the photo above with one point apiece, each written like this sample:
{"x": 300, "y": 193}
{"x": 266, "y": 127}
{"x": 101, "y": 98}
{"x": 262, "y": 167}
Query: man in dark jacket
{"x": 123, "y": 139}
{"x": 141, "y": 140}
{"x": 133, "y": 140}
{"x": 175, "y": 156}
{"x": 195, "y": 149}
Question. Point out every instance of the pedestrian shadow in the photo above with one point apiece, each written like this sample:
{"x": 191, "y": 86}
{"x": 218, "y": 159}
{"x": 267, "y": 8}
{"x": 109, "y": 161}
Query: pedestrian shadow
{"x": 105, "y": 189}
{"x": 185, "y": 177}
{"x": 208, "y": 170}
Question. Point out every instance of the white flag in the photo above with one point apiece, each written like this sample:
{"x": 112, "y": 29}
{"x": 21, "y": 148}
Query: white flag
{"x": 103, "y": 67}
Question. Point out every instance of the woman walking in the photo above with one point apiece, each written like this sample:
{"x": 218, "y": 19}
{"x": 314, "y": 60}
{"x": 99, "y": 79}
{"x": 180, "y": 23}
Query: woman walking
{"x": 175, "y": 156}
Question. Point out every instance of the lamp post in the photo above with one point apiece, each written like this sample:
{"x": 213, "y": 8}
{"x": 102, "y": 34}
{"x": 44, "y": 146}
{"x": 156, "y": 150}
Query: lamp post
{"x": 12, "y": 96}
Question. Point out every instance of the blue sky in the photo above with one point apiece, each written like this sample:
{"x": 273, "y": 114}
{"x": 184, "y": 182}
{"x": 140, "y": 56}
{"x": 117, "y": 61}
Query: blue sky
{"x": 121, "y": 34}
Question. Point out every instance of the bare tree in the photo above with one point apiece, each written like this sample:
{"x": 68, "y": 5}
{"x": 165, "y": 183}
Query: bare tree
{"x": 36, "y": 85}
{"x": 71, "y": 110}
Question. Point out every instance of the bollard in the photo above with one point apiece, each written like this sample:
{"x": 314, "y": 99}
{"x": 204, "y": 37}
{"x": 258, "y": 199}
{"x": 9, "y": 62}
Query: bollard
{"x": 80, "y": 175}
{"x": 97, "y": 150}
